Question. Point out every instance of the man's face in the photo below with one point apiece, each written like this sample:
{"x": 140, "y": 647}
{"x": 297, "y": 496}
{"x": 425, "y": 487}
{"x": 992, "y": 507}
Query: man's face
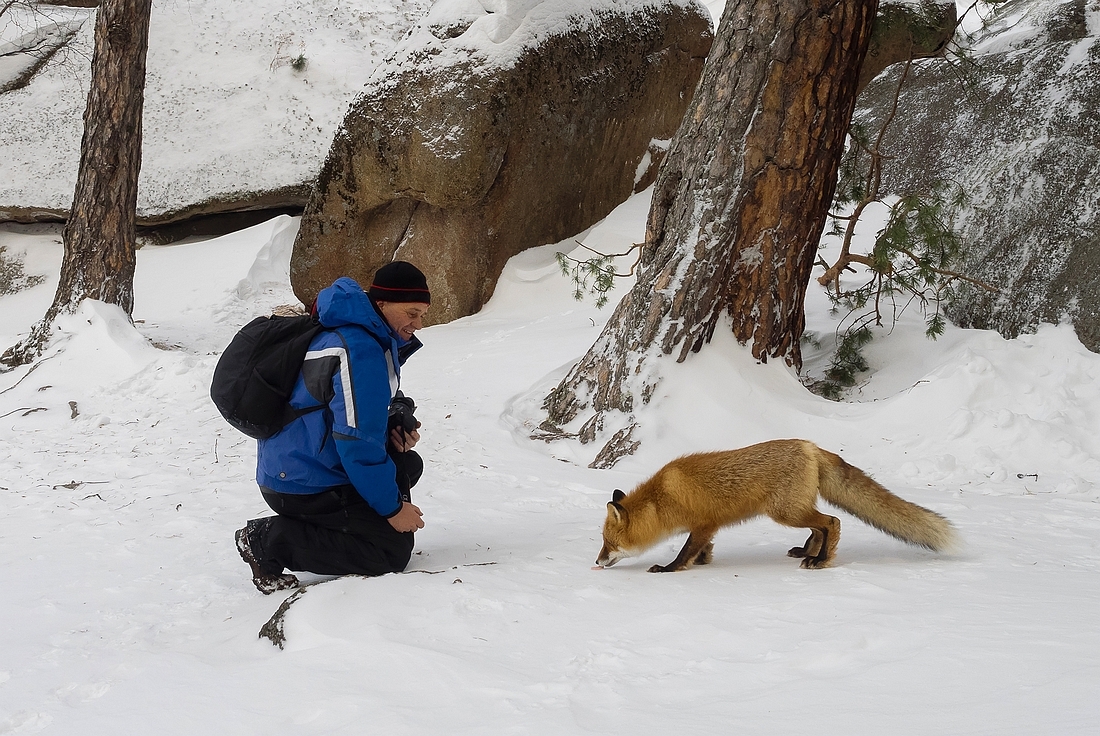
{"x": 404, "y": 317}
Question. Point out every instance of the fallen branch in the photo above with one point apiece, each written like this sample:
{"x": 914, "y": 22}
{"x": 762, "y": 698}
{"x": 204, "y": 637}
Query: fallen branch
{"x": 273, "y": 629}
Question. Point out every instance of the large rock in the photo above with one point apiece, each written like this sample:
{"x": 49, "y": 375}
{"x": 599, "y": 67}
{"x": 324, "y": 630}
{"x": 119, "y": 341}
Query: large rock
{"x": 1018, "y": 126}
{"x": 489, "y": 133}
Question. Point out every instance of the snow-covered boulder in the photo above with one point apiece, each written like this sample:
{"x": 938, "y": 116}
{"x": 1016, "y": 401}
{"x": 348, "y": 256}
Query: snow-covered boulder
{"x": 241, "y": 101}
{"x": 498, "y": 125}
{"x": 1018, "y": 127}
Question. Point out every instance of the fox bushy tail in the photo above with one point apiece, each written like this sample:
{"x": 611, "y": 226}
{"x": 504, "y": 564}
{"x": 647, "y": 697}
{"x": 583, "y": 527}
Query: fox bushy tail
{"x": 849, "y": 488}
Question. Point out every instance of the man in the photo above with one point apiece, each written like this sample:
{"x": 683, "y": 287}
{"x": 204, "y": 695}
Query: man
{"x": 339, "y": 475}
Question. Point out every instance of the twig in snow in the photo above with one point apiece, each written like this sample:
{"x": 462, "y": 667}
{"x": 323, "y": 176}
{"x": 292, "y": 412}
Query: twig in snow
{"x": 32, "y": 370}
{"x": 74, "y": 484}
{"x": 26, "y": 409}
{"x": 436, "y": 572}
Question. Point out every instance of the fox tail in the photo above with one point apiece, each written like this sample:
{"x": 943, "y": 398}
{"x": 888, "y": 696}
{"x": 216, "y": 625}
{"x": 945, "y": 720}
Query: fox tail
{"x": 849, "y": 488}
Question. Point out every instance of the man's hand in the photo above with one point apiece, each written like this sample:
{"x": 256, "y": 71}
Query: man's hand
{"x": 403, "y": 441}
{"x": 407, "y": 519}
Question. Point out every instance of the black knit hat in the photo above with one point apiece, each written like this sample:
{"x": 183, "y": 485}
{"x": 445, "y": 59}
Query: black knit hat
{"x": 400, "y": 282}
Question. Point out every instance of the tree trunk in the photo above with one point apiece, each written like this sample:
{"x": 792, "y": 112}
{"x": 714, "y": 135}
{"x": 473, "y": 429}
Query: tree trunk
{"x": 99, "y": 234}
{"x": 739, "y": 204}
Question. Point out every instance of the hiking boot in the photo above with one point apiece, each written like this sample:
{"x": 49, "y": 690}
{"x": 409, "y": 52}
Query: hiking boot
{"x": 266, "y": 583}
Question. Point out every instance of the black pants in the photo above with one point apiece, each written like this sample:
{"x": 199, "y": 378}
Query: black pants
{"x": 336, "y": 532}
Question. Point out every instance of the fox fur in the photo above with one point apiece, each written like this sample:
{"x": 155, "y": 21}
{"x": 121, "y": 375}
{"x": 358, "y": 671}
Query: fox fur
{"x": 704, "y": 492}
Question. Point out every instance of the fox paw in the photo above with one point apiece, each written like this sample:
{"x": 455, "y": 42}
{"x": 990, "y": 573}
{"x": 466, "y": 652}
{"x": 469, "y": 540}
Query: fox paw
{"x": 662, "y": 568}
{"x": 796, "y": 552}
{"x": 705, "y": 555}
{"x": 816, "y": 563}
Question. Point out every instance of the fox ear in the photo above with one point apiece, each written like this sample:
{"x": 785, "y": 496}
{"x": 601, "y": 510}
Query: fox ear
{"x": 615, "y": 512}
{"x": 617, "y": 496}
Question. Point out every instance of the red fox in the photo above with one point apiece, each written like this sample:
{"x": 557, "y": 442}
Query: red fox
{"x": 702, "y": 493}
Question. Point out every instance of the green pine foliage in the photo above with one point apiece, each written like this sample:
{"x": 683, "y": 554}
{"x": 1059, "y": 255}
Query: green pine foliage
{"x": 912, "y": 260}
{"x": 847, "y": 363}
{"x": 596, "y": 275}
{"x": 910, "y": 263}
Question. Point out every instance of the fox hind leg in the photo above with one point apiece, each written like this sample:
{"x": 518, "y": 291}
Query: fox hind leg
{"x": 820, "y": 548}
{"x": 704, "y": 557}
{"x": 697, "y": 547}
{"x": 828, "y": 527}
{"x": 811, "y": 548}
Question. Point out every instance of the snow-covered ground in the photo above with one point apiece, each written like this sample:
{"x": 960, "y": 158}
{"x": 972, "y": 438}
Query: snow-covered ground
{"x": 127, "y": 609}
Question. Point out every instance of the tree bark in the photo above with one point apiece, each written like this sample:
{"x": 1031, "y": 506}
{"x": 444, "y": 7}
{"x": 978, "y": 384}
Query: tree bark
{"x": 99, "y": 235}
{"x": 740, "y": 202}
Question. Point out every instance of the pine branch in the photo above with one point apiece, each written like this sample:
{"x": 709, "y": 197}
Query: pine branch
{"x": 951, "y": 274}
{"x": 609, "y": 256}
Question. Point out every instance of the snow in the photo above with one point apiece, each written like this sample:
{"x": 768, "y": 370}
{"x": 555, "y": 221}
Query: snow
{"x": 495, "y": 34}
{"x": 127, "y": 607}
{"x": 225, "y": 112}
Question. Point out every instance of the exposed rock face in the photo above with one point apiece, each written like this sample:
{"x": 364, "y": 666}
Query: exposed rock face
{"x": 489, "y": 133}
{"x": 1020, "y": 131}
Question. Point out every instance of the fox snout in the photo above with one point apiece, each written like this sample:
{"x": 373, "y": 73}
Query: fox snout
{"x": 609, "y": 557}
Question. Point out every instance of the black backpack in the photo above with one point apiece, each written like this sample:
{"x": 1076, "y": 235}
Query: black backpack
{"x": 256, "y": 374}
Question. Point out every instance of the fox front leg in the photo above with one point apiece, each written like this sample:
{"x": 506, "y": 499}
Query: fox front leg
{"x": 696, "y": 550}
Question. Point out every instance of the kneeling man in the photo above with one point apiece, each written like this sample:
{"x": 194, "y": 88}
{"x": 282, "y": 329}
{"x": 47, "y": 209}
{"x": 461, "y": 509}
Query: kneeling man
{"x": 338, "y": 476}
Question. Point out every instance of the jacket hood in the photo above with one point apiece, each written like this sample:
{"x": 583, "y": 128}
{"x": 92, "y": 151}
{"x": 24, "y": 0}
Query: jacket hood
{"x": 345, "y": 303}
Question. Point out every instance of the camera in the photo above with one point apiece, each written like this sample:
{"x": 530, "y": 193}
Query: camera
{"x": 401, "y": 413}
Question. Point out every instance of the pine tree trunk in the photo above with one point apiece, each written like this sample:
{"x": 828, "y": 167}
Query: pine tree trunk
{"x": 100, "y": 234}
{"x": 739, "y": 205}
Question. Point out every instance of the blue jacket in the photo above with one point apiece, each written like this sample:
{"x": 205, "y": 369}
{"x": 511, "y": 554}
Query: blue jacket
{"x": 353, "y": 369}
